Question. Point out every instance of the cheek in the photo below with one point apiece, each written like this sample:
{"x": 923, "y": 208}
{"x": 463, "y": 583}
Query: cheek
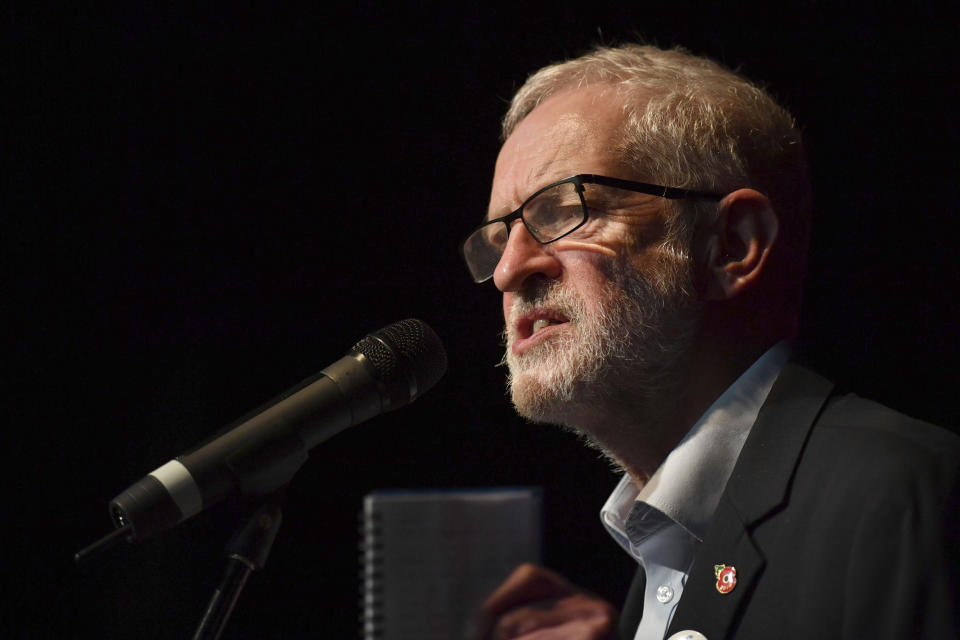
{"x": 589, "y": 279}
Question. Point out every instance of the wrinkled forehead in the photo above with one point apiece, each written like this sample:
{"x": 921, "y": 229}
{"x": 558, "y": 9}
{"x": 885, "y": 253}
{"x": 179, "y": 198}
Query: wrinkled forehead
{"x": 574, "y": 131}
{"x": 541, "y": 133}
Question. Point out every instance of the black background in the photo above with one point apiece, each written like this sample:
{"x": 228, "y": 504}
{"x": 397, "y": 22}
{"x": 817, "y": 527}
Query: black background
{"x": 207, "y": 205}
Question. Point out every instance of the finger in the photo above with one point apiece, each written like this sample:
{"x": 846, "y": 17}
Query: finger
{"x": 527, "y": 583}
{"x": 575, "y": 630}
{"x": 587, "y": 615}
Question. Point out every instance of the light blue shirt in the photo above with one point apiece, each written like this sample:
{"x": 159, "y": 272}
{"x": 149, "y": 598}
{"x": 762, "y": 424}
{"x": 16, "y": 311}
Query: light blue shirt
{"x": 662, "y": 524}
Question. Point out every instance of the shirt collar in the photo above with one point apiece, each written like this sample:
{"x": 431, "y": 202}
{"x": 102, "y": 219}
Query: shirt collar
{"x": 688, "y": 484}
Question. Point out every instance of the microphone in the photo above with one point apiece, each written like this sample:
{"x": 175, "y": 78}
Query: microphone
{"x": 260, "y": 453}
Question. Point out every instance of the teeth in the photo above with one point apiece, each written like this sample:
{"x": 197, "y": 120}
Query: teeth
{"x": 541, "y": 323}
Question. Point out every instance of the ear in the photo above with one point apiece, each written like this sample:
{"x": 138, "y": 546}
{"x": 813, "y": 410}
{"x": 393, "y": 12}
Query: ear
{"x": 739, "y": 244}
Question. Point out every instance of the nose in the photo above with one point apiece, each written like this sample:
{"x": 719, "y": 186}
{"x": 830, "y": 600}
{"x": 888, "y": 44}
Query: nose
{"x": 522, "y": 258}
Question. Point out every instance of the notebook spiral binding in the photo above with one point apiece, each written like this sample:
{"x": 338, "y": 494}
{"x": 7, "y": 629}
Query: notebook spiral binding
{"x": 371, "y": 575}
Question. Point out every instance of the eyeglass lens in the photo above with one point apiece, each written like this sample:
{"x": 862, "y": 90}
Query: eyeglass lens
{"x": 549, "y": 215}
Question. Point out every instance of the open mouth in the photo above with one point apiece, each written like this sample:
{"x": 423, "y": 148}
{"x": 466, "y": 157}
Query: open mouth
{"x": 542, "y": 323}
{"x": 533, "y": 326}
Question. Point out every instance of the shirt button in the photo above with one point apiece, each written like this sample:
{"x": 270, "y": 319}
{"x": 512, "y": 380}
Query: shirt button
{"x": 664, "y": 594}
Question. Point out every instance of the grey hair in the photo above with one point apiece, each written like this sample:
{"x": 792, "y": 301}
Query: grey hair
{"x": 691, "y": 123}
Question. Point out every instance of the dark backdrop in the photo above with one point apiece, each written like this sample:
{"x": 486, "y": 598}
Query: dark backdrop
{"x": 207, "y": 205}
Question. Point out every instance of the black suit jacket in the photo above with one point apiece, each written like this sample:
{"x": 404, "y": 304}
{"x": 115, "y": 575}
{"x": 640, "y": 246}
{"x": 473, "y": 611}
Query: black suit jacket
{"x": 842, "y": 519}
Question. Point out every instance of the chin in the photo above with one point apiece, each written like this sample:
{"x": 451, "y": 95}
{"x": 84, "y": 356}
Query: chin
{"x": 553, "y": 384}
{"x": 534, "y": 398}
{"x": 544, "y": 381}
{"x": 538, "y": 397}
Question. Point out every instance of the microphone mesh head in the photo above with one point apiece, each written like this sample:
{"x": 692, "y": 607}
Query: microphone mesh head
{"x": 408, "y": 359}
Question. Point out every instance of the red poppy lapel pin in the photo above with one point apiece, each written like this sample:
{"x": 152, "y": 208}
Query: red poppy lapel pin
{"x": 726, "y": 577}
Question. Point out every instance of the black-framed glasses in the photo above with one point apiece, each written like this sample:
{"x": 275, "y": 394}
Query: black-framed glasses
{"x": 553, "y": 212}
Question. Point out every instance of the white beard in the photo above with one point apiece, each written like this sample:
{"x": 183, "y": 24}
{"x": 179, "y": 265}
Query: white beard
{"x": 626, "y": 356}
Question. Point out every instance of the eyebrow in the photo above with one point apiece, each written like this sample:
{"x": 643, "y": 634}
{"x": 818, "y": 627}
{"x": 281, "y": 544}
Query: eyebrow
{"x": 538, "y": 178}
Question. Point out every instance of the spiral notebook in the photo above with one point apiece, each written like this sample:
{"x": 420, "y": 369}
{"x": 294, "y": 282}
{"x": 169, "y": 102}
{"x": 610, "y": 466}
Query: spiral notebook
{"x": 430, "y": 558}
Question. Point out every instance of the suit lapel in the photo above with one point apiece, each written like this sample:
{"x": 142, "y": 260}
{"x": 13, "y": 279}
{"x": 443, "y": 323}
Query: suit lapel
{"x": 759, "y": 483}
{"x": 702, "y": 607}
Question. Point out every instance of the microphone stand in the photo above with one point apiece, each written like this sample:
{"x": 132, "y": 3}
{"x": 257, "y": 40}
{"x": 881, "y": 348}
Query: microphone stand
{"x": 246, "y": 552}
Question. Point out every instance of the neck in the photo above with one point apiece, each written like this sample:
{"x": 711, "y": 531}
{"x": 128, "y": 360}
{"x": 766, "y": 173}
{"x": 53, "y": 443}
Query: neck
{"x": 640, "y": 438}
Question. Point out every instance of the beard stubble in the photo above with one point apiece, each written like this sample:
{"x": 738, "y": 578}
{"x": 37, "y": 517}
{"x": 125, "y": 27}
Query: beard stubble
{"x": 622, "y": 356}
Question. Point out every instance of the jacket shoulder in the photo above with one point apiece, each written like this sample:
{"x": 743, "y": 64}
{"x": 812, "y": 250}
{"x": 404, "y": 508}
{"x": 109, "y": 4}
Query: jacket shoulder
{"x": 863, "y": 428}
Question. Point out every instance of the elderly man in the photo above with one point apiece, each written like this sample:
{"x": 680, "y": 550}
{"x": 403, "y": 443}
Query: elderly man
{"x": 648, "y": 227}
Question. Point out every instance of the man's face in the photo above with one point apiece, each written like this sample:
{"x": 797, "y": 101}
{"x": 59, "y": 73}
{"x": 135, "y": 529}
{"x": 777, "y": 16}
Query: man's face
{"x": 600, "y": 319}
